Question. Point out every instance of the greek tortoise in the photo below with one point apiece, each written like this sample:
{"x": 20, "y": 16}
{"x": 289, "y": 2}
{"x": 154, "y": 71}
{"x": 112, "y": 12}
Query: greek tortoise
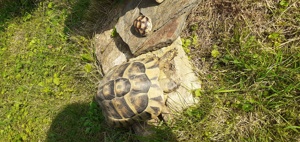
{"x": 133, "y": 92}
{"x": 143, "y": 24}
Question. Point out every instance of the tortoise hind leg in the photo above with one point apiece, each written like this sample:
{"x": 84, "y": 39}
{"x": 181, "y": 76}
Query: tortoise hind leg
{"x": 142, "y": 129}
{"x": 165, "y": 115}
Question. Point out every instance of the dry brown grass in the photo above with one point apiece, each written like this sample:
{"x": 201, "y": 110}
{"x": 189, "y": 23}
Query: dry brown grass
{"x": 240, "y": 30}
{"x": 218, "y": 20}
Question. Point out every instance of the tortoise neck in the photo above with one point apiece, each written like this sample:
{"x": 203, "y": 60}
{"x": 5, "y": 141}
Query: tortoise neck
{"x": 167, "y": 58}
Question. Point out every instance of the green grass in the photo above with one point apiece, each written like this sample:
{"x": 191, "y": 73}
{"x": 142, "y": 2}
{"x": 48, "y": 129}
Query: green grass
{"x": 44, "y": 71}
{"x": 249, "y": 66}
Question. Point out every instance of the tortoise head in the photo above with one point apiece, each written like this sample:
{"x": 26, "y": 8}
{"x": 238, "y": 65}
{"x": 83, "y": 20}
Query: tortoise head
{"x": 167, "y": 58}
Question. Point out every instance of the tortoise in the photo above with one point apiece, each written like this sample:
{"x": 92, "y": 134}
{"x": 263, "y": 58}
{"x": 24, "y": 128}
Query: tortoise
{"x": 142, "y": 25}
{"x": 135, "y": 91}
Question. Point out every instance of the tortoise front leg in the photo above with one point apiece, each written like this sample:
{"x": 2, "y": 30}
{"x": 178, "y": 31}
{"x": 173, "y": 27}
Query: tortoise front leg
{"x": 167, "y": 84}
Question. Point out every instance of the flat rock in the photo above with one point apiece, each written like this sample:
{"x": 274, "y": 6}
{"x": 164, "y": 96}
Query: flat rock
{"x": 110, "y": 51}
{"x": 182, "y": 98}
{"x": 168, "y": 19}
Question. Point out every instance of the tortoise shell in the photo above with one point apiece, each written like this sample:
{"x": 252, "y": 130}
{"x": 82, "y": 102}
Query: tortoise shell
{"x": 142, "y": 25}
{"x": 130, "y": 93}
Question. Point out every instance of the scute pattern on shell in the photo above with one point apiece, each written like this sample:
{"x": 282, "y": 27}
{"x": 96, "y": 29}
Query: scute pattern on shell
{"x": 130, "y": 93}
{"x": 143, "y": 25}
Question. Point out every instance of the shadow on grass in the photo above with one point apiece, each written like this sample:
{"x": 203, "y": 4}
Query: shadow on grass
{"x": 71, "y": 125}
{"x": 81, "y": 122}
{"x": 10, "y": 9}
{"x": 89, "y": 17}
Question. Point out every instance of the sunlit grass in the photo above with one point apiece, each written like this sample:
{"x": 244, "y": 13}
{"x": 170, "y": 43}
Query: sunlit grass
{"x": 41, "y": 70}
{"x": 250, "y": 70}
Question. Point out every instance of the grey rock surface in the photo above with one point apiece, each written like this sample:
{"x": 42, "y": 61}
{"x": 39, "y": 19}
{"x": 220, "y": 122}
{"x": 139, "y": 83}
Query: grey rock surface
{"x": 110, "y": 51}
{"x": 168, "y": 19}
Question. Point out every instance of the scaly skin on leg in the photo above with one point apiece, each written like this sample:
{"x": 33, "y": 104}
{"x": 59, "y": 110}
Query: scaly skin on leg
{"x": 167, "y": 84}
{"x": 165, "y": 114}
{"x": 142, "y": 128}
{"x": 165, "y": 66}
